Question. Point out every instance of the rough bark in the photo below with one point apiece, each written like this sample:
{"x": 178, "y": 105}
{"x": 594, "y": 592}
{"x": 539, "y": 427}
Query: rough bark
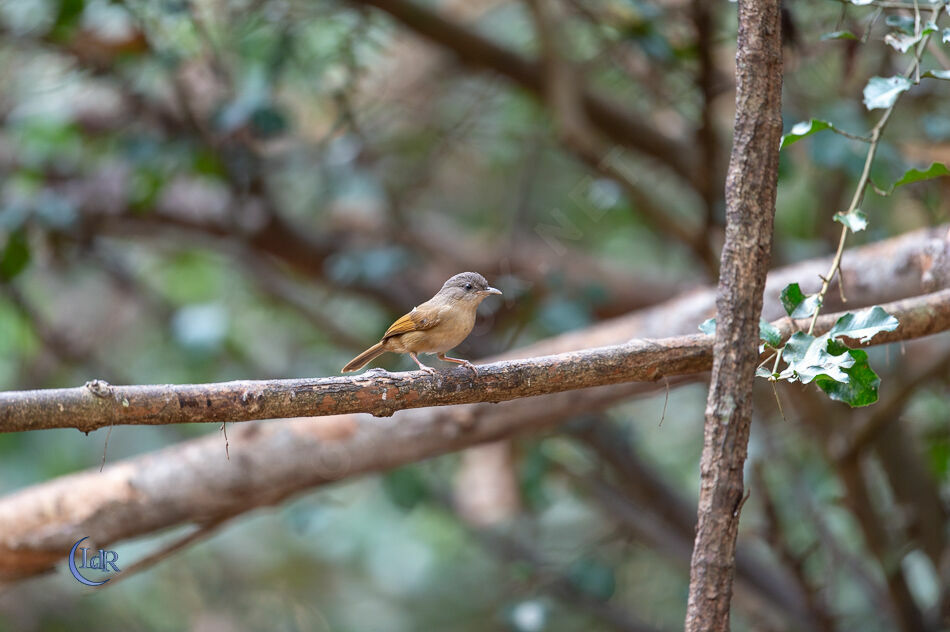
{"x": 99, "y": 405}
{"x": 750, "y": 208}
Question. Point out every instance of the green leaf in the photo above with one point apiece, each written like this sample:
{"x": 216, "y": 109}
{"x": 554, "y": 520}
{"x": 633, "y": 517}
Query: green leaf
{"x": 15, "y": 256}
{"x": 803, "y": 129}
{"x": 808, "y": 357}
{"x": 864, "y": 325}
{"x": 937, "y": 74}
{"x": 856, "y": 220}
{"x": 766, "y": 373}
{"x": 797, "y": 304}
{"x": 769, "y": 334}
{"x": 843, "y": 373}
{"x": 847, "y": 35}
{"x": 882, "y": 92}
{"x": 708, "y": 327}
{"x": 945, "y": 37}
{"x": 935, "y": 170}
{"x": 861, "y": 387}
{"x": 860, "y": 3}
{"x": 904, "y": 41}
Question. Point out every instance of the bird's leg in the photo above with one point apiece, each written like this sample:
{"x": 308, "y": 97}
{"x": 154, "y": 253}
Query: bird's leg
{"x": 468, "y": 365}
{"x": 427, "y": 369}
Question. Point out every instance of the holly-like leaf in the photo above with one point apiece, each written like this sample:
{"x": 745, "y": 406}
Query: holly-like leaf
{"x": 796, "y": 303}
{"x": 882, "y": 92}
{"x": 803, "y": 129}
{"x": 935, "y": 170}
{"x": 900, "y": 41}
{"x": 808, "y": 357}
{"x": 856, "y": 220}
{"x": 708, "y": 327}
{"x": 904, "y": 41}
{"x": 861, "y": 387}
{"x": 864, "y": 325}
{"x": 769, "y": 334}
{"x": 843, "y": 373}
{"x": 937, "y": 74}
{"x": 945, "y": 36}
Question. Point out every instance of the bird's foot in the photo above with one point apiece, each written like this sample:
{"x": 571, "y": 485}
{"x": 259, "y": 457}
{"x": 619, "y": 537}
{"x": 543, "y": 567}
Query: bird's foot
{"x": 468, "y": 365}
{"x": 422, "y": 367}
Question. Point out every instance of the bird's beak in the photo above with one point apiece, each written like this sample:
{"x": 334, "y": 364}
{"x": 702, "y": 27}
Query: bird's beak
{"x": 490, "y": 290}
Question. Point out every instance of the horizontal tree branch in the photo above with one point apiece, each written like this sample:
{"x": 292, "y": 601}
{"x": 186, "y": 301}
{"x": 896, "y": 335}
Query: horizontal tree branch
{"x": 192, "y": 482}
{"x": 903, "y": 266}
{"x": 378, "y": 392}
{"x": 98, "y": 404}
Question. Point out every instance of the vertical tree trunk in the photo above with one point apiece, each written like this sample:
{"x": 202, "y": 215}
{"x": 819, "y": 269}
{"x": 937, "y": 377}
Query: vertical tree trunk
{"x": 750, "y": 207}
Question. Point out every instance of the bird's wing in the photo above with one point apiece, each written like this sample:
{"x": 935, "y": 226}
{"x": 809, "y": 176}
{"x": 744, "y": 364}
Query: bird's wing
{"x": 413, "y": 321}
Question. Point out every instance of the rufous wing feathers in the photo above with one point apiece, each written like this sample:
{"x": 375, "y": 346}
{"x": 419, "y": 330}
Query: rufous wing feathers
{"x": 413, "y": 321}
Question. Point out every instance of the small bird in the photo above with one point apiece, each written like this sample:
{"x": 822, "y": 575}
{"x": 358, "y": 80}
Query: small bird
{"x": 439, "y": 324}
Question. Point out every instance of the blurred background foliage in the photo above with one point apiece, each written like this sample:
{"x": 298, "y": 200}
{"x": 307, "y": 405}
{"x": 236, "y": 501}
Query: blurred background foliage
{"x": 205, "y": 190}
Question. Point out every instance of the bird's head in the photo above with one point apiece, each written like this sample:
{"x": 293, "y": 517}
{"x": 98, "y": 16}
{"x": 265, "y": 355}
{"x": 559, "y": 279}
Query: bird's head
{"x": 467, "y": 286}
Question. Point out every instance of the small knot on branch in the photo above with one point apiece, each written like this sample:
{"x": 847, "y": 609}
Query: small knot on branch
{"x": 99, "y": 388}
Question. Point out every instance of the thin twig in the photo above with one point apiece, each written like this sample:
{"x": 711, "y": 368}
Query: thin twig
{"x": 105, "y": 448}
{"x": 666, "y": 401}
{"x": 863, "y": 182}
{"x": 224, "y": 429}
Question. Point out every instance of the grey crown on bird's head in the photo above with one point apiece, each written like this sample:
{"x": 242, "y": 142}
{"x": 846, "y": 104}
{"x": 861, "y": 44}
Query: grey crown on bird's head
{"x": 464, "y": 279}
{"x": 469, "y": 286}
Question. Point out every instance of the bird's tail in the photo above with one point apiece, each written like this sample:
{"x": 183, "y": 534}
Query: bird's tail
{"x": 364, "y": 358}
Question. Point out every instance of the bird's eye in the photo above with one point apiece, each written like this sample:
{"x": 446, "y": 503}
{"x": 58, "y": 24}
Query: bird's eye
{"x": 468, "y": 286}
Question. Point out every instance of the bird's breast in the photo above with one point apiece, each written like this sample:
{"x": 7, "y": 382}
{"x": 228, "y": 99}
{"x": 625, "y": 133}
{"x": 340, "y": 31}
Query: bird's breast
{"x": 455, "y": 324}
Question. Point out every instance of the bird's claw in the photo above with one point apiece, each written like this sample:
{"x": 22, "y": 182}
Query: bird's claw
{"x": 428, "y": 369}
{"x": 471, "y": 367}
